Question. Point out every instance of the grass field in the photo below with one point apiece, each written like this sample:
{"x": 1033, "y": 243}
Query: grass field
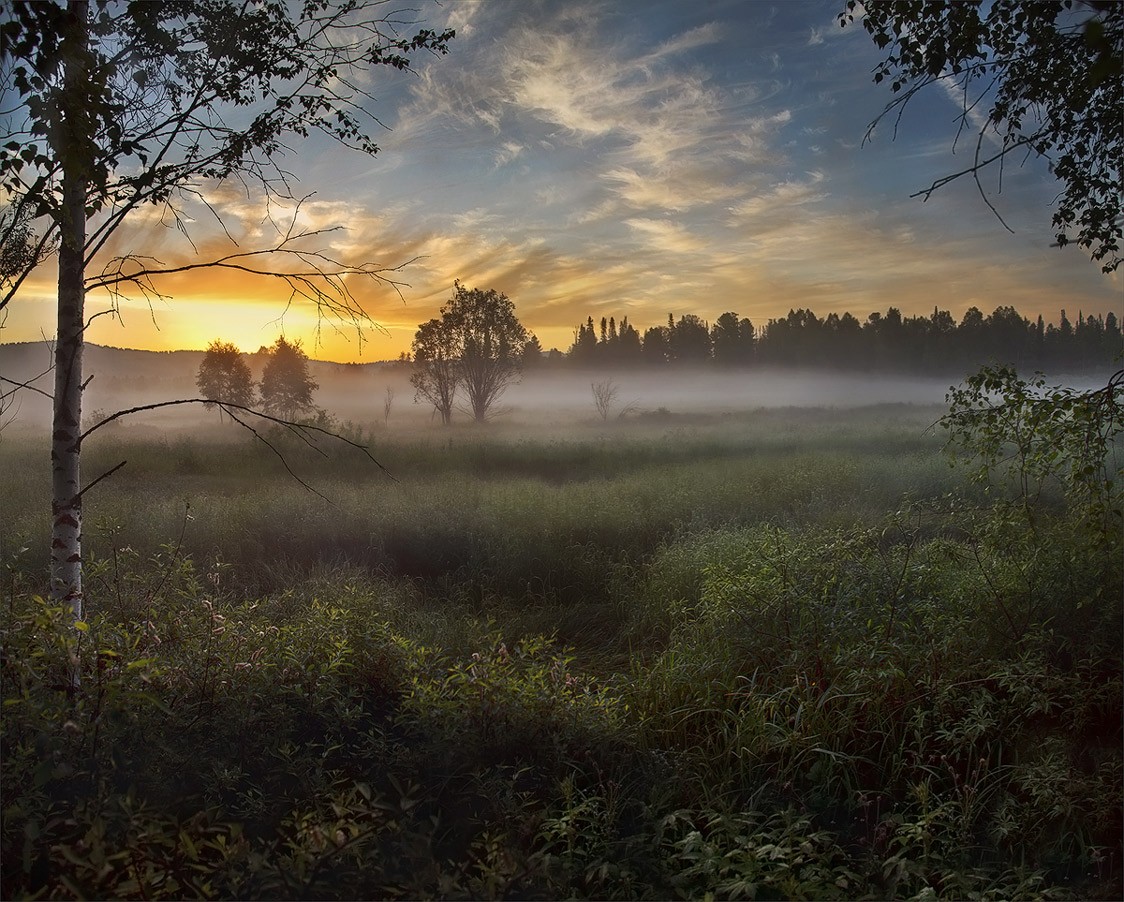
{"x": 785, "y": 653}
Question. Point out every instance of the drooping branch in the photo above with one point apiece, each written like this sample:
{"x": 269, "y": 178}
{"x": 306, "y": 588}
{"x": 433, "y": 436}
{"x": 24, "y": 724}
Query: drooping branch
{"x": 301, "y": 430}
{"x": 21, "y": 248}
{"x": 1040, "y": 79}
{"x": 312, "y": 275}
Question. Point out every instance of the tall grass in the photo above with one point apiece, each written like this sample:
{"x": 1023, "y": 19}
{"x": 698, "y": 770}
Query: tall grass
{"x": 517, "y": 516}
{"x": 786, "y": 655}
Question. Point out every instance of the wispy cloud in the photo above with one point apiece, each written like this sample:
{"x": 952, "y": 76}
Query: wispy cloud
{"x": 665, "y": 236}
{"x": 779, "y": 201}
{"x": 507, "y": 152}
{"x": 591, "y": 158}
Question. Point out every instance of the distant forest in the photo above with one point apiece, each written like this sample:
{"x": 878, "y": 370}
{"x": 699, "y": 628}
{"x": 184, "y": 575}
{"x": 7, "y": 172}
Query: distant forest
{"x": 886, "y": 341}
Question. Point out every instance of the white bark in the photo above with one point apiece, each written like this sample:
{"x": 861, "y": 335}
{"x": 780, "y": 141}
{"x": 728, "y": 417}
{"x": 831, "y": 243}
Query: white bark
{"x": 66, "y": 446}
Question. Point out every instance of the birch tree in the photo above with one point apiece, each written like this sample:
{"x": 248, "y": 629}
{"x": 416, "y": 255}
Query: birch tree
{"x": 113, "y": 106}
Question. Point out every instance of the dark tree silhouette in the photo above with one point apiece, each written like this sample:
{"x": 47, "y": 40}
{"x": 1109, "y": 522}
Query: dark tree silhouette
{"x": 584, "y": 348}
{"x": 1048, "y": 74}
{"x": 224, "y": 375}
{"x": 689, "y": 340}
{"x": 532, "y": 352}
{"x": 286, "y": 386}
{"x": 478, "y": 344}
{"x": 436, "y": 377}
{"x": 491, "y": 340}
{"x": 732, "y": 340}
{"x": 656, "y": 350}
{"x": 887, "y": 341}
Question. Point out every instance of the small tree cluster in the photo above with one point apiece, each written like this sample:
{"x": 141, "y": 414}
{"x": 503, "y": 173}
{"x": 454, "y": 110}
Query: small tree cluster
{"x": 286, "y": 386}
{"x": 476, "y": 346}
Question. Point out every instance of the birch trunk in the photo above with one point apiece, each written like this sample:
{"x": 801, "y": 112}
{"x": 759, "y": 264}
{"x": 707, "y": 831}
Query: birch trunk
{"x": 66, "y": 445}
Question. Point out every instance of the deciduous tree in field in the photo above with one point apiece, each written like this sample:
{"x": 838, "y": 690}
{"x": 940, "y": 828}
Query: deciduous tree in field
{"x": 492, "y": 341}
{"x": 224, "y": 375}
{"x": 116, "y": 106}
{"x": 436, "y": 377}
{"x": 286, "y": 386}
{"x": 477, "y": 344}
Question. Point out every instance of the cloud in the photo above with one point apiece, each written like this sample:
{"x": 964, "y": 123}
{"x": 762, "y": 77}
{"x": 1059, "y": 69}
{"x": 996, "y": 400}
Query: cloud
{"x": 665, "y": 236}
{"x": 676, "y": 189}
{"x": 590, "y": 169}
{"x": 641, "y": 106}
{"x": 778, "y": 202}
{"x": 692, "y": 39}
{"x": 507, "y": 152}
{"x": 463, "y": 16}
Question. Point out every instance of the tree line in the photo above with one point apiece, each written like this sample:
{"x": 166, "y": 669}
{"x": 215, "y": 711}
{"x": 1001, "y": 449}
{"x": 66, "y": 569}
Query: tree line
{"x": 476, "y": 348}
{"x": 885, "y": 341}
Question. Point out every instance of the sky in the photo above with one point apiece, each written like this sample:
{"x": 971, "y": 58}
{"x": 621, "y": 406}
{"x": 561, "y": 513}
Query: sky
{"x": 626, "y": 158}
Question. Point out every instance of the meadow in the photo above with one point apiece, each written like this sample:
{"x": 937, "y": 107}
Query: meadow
{"x": 770, "y": 653}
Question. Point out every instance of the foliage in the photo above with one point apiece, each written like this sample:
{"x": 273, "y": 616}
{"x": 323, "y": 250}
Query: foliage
{"x": 478, "y": 344}
{"x": 1038, "y": 437}
{"x": 21, "y": 249}
{"x": 758, "y": 687}
{"x": 875, "y": 677}
{"x": 436, "y": 376}
{"x": 224, "y": 375}
{"x": 1006, "y": 56}
{"x": 286, "y": 386}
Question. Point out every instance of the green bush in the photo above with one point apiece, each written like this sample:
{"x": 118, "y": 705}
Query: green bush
{"x": 692, "y": 663}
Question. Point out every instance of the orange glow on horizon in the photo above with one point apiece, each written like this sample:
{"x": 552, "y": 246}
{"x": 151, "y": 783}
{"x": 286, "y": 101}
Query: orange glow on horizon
{"x": 251, "y": 312}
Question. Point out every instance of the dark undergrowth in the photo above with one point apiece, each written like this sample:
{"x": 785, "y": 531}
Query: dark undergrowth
{"x": 793, "y": 703}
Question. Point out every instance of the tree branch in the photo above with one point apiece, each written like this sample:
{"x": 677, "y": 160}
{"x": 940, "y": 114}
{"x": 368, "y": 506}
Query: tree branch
{"x": 300, "y": 429}
{"x": 104, "y": 475}
{"x": 19, "y": 385}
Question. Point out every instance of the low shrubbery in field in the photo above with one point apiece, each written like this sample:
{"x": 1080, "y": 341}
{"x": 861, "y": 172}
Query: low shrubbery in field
{"x": 768, "y": 705}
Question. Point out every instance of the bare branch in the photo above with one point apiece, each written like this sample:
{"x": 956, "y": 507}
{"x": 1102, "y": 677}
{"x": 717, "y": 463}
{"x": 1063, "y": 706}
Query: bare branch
{"x": 104, "y": 475}
{"x": 281, "y": 457}
{"x": 313, "y": 275}
{"x": 300, "y": 429}
{"x": 19, "y": 385}
{"x": 976, "y": 166}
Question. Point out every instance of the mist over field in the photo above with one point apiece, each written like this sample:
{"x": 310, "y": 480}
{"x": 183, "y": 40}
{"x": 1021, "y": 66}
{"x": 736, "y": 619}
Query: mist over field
{"x": 548, "y": 396}
{"x": 758, "y": 620}
{"x": 619, "y": 582}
